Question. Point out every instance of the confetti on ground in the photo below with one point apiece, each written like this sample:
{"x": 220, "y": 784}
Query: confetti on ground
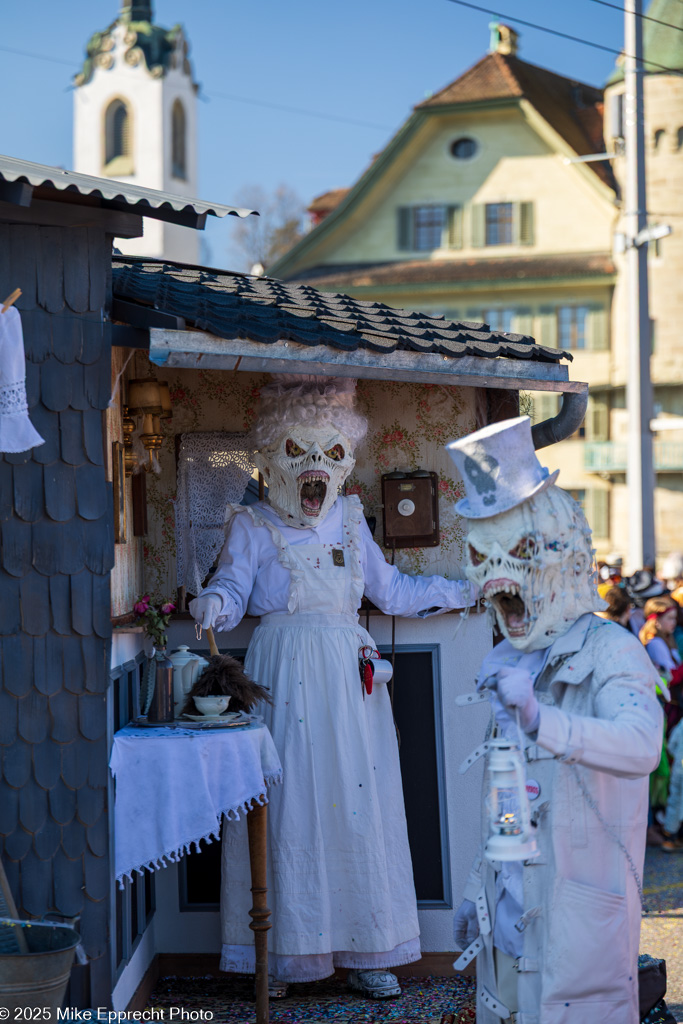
{"x": 661, "y": 933}
{"x": 230, "y": 999}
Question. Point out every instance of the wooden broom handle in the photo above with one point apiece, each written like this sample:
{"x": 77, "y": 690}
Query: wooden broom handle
{"x": 213, "y": 646}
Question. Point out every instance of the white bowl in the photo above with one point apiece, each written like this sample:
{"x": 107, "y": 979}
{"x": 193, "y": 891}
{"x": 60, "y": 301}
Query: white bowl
{"x": 211, "y": 705}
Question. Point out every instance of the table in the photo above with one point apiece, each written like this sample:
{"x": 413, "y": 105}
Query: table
{"x": 172, "y": 786}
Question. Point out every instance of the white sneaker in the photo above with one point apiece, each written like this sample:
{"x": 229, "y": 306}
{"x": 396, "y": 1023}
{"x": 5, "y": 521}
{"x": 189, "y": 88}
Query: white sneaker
{"x": 375, "y": 984}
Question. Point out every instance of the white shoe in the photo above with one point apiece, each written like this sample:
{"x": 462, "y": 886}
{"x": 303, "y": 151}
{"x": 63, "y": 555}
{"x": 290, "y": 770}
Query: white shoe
{"x": 375, "y": 984}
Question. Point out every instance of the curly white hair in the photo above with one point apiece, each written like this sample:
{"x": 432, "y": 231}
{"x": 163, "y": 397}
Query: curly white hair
{"x": 292, "y": 398}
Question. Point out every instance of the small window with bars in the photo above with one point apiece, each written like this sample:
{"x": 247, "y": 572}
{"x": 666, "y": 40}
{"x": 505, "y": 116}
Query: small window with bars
{"x": 427, "y": 227}
{"x": 428, "y": 222}
{"x": 118, "y": 146}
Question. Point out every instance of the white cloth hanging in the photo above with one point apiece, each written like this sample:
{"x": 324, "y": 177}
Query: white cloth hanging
{"x": 213, "y": 471}
{"x": 17, "y": 433}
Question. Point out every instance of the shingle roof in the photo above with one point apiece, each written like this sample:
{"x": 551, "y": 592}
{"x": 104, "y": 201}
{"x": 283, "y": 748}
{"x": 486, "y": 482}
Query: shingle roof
{"x": 457, "y": 271}
{"x": 574, "y": 109}
{"x": 265, "y": 310}
{"x": 328, "y": 200}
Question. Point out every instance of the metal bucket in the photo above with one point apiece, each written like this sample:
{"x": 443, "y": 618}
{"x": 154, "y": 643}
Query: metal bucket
{"x": 38, "y": 978}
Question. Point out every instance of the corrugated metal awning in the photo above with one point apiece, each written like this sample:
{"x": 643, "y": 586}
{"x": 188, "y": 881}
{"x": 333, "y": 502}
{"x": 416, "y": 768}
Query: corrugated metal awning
{"x": 117, "y": 194}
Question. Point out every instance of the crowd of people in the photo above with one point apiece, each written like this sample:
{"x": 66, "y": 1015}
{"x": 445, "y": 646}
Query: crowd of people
{"x": 651, "y": 607}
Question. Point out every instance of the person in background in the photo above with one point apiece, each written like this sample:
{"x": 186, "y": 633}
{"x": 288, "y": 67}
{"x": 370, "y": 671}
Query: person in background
{"x": 661, "y": 617}
{"x": 677, "y": 595}
{"x": 641, "y": 587}
{"x": 619, "y": 605}
{"x": 674, "y": 804}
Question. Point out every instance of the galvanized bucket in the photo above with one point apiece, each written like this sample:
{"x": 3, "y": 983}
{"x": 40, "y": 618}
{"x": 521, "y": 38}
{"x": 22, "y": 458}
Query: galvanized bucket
{"x": 38, "y": 977}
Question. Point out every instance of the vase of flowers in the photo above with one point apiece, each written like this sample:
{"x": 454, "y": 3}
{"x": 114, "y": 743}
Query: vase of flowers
{"x": 157, "y": 697}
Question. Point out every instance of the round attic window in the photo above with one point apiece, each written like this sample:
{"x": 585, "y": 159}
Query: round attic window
{"x": 464, "y": 148}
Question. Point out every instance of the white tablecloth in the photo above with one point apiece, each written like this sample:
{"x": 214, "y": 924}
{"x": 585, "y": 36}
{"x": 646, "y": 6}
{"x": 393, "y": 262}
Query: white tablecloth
{"x": 173, "y": 787}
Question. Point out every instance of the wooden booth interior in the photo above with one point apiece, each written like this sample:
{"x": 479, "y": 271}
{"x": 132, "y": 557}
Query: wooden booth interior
{"x": 409, "y": 424}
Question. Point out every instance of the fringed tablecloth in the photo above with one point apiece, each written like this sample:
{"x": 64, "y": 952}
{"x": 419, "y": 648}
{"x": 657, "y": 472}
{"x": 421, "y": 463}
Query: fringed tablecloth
{"x": 172, "y": 787}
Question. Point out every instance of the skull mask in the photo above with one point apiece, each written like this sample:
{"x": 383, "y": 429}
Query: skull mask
{"x": 305, "y": 469}
{"x": 534, "y": 565}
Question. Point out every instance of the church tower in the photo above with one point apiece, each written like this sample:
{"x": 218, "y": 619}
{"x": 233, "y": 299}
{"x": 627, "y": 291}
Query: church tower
{"x": 135, "y": 119}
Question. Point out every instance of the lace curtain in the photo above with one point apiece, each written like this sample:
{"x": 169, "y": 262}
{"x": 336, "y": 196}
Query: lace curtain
{"x": 214, "y": 469}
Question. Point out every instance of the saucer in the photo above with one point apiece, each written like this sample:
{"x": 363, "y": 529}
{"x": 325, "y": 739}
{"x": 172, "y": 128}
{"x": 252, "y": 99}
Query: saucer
{"x": 223, "y": 717}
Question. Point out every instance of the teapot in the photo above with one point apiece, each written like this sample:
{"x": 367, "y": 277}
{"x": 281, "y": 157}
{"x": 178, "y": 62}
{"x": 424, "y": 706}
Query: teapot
{"x": 187, "y": 667}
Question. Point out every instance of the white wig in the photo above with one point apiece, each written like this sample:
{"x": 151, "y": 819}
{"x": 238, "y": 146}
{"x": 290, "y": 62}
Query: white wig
{"x": 292, "y": 398}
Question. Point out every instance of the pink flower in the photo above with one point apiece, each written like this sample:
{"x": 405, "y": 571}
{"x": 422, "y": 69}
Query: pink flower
{"x": 397, "y": 435}
{"x": 355, "y": 489}
{"x": 443, "y": 486}
{"x": 140, "y": 608}
{"x": 167, "y": 608}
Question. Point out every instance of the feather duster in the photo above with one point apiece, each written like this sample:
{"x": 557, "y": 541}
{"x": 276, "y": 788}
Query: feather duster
{"x": 225, "y": 676}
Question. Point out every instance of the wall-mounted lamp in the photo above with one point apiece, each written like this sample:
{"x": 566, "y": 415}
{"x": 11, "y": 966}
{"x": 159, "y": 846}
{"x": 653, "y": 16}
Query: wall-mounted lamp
{"x": 130, "y": 459}
{"x": 146, "y": 399}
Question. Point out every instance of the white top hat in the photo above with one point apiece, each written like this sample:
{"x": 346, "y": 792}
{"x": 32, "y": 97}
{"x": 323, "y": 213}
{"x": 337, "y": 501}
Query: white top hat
{"x": 499, "y": 468}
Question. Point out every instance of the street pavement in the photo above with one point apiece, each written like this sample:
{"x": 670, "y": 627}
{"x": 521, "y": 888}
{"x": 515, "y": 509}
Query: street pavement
{"x": 661, "y": 933}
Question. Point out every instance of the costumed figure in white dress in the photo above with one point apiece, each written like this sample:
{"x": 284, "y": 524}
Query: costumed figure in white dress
{"x": 556, "y": 935}
{"x": 340, "y": 882}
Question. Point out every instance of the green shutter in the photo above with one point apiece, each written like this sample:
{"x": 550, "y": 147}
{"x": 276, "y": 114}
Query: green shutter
{"x": 453, "y": 238}
{"x": 547, "y": 319}
{"x": 478, "y": 224}
{"x": 405, "y": 224}
{"x": 597, "y": 329}
{"x": 597, "y": 511}
{"x": 523, "y": 322}
{"x": 526, "y": 223}
{"x": 597, "y": 418}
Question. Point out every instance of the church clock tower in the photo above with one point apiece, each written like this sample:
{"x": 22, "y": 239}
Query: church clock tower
{"x": 135, "y": 119}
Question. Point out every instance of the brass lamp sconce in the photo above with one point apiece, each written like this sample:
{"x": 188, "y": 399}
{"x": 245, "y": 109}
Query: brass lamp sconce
{"x": 150, "y": 399}
{"x": 130, "y": 459}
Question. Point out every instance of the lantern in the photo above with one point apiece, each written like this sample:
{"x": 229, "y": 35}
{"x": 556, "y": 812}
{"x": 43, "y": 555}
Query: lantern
{"x": 508, "y": 805}
{"x": 145, "y": 399}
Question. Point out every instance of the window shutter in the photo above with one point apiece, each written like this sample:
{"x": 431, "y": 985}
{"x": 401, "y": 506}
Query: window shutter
{"x": 597, "y": 329}
{"x": 548, "y": 326}
{"x": 453, "y": 227}
{"x": 478, "y": 224}
{"x": 523, "y": 322}
{"x": 597, "y": 511}
{"x": 526, "y": 223}
{"x": 597, "y": 420}
{"x": 405, "y": 224}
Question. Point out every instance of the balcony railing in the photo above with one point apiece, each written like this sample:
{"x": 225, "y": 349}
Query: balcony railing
{"x": 612, "y": 457}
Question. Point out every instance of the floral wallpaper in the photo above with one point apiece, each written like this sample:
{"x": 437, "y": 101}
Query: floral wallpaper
{"x": 409, "y": 424}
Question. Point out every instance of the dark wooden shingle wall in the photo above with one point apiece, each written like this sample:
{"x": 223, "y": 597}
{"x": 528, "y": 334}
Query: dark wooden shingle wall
{"x": 56, "y": 553}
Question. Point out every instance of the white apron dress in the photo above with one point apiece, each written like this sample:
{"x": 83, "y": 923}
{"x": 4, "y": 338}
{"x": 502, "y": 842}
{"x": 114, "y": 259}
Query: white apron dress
{"x": 340, "y": 881}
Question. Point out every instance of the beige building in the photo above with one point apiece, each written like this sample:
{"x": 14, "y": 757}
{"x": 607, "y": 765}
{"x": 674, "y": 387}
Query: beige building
{"x": 479, "y": 209}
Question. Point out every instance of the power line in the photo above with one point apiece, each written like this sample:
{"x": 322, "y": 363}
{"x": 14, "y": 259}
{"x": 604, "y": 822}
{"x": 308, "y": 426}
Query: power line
{"x": 299, "y": 110}
{"x": 225, "y": 96}
{"x": 562, "y": 35}
{"x": 645, "y": 17}
{"x": 38, "y": 56}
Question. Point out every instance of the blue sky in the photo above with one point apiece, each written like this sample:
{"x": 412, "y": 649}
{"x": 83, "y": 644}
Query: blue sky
{"x": 366, "y": 60}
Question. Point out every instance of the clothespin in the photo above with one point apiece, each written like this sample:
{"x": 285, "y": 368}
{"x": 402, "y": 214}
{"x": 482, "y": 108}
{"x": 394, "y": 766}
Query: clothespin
{"x": 10, "y": 300}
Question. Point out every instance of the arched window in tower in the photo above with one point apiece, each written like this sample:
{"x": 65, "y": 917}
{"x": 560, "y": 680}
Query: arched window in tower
{"x": 178, "y": 141}
{"x": 679, "y": 140}
{"x": 118, "y": 141}
{"x": 659, "y": 138}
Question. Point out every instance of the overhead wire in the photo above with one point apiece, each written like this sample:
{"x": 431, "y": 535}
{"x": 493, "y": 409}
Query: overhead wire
{"x": 645, "y": 17}
{"x": 562, "y": 35}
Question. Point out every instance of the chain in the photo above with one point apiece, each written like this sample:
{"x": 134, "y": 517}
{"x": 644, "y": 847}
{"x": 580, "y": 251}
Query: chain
{"x": 610, "y": 832}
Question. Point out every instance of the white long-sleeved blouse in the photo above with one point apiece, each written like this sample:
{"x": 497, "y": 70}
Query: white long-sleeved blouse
{"x": 250, "y": 578}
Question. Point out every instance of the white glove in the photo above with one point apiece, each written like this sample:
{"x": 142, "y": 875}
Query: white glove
{"x": 516, "y": 692}
{"x": 465, "y": 924}
{"x": 205, "y": 610}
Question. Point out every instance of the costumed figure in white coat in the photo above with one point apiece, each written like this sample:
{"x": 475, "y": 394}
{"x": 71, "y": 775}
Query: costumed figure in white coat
{"x": 340, "y": 881}
{"x": 556, "y": 935}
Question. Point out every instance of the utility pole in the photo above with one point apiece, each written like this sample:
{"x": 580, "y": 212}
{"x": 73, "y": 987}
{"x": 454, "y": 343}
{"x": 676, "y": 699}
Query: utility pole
{"x": 640, "y": 475}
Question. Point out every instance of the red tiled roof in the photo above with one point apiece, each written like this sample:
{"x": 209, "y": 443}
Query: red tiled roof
{"x": 574, "y": 109}
{"x": 328, "y": 200}
{"x": 456, "y": 271}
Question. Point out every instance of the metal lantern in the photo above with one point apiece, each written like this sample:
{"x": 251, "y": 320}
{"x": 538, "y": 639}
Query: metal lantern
{"x": 508, "y": 805}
